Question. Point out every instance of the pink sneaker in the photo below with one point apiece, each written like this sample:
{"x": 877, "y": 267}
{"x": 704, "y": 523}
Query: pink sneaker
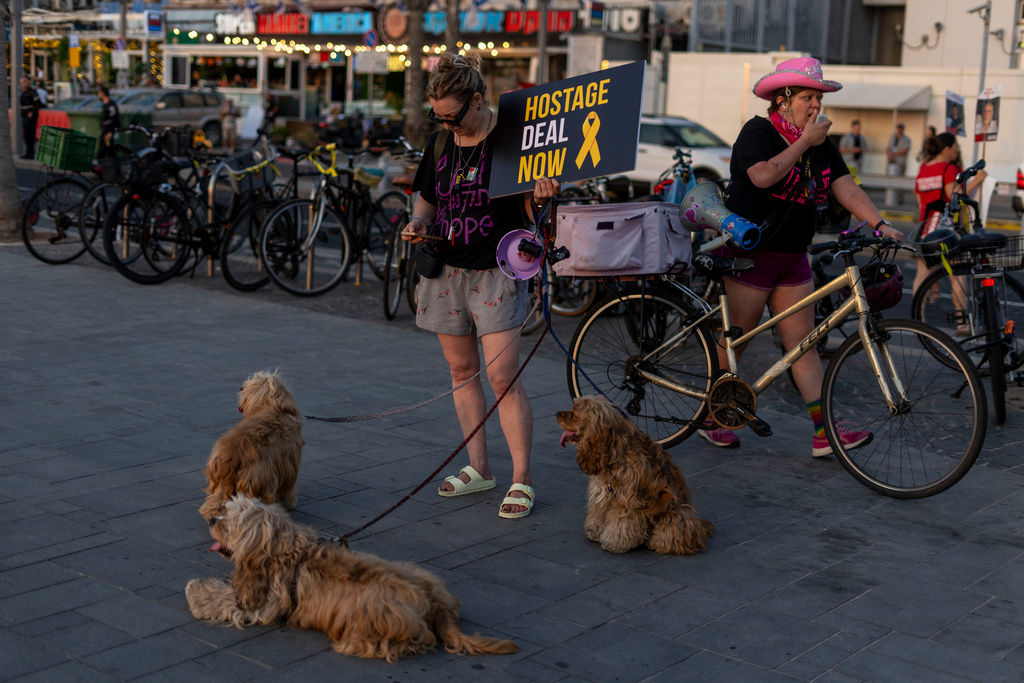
{"x": 821, "y": 447}
{"x": 723, "y": 438}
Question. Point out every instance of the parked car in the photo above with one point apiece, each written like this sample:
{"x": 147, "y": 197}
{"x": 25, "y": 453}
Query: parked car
{"x": 660, "y": 135}
{"x": 75, "y": 102}
{"x": 197, "y": 108}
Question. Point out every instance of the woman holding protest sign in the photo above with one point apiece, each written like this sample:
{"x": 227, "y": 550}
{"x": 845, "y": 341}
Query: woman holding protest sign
{"x": 463, "y": 295}
{"x": 782, "y": 167}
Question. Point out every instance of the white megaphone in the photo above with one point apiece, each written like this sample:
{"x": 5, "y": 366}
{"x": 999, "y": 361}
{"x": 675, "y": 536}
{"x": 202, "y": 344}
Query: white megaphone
{"x": 702, "y": 208}
{"x": 519, "y": 254}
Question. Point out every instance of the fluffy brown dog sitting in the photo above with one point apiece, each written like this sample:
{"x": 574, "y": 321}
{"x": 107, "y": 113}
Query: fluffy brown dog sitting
{"x": 259, "y": 456}
{"x": 367, "y": 606}
{"x": 636, "y": 495}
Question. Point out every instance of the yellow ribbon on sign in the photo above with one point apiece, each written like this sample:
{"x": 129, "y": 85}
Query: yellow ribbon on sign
{"x": 591, "y": 125}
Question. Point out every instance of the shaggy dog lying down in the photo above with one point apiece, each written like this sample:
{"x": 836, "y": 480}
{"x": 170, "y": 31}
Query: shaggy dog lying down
{"x": 367, "y": 606}
{"x": 261, "y": 454}
{"x": 636, "y": 495}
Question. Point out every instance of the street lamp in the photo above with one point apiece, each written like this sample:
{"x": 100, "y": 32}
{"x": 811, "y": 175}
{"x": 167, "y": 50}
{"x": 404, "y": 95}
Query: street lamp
{"x": 984, "y": 10}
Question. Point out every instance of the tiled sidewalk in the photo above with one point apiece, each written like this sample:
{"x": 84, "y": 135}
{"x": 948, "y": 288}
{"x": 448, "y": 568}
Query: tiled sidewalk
{"x": 113, "y": 393}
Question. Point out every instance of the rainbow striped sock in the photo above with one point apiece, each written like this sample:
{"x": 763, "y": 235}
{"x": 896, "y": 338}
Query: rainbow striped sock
{"x": 814, "y": 408}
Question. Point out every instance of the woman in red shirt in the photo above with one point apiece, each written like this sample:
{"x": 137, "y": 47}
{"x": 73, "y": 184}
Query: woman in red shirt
{"x": 934, "y": 186}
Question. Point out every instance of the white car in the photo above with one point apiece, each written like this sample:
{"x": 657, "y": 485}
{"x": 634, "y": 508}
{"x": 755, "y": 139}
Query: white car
{"x": 660, "y": 135}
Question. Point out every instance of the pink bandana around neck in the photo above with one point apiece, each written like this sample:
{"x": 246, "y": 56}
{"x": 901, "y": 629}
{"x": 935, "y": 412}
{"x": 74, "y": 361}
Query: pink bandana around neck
{"x": 785, "y": 128}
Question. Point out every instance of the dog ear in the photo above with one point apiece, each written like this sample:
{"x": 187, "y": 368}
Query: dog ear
{"x": 591, "y": 444}
{"x": 248, "y": 538}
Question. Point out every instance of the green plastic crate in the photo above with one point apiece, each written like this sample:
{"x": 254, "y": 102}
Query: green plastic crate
{"x": 66, "y": 149}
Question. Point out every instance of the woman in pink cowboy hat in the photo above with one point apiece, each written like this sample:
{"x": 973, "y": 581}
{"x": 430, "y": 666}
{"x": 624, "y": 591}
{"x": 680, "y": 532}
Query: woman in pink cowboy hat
{"x": 783, "y": 166}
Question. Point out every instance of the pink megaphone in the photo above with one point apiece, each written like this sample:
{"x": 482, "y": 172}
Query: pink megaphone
{"x": 514, "y": 262}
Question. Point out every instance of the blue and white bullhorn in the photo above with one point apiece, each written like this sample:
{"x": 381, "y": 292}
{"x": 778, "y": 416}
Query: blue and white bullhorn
{"x": 703, "y": 209}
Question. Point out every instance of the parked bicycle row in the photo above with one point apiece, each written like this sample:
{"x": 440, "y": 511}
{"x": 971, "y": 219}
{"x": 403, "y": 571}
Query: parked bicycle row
{"x": 174, "y": 206}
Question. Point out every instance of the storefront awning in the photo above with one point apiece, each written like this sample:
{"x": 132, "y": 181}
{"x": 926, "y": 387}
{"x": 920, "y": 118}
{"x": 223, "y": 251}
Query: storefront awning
{"x": 880, "y": 96}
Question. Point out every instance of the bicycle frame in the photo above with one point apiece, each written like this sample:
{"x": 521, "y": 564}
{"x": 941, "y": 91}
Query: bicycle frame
{"x": 857, "y": 301}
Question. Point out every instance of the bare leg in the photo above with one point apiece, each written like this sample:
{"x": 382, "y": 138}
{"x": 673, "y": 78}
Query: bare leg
{"x": 807, "y": 370}
{"x": 463, "y": 359}
{"x": 514, "y": 411}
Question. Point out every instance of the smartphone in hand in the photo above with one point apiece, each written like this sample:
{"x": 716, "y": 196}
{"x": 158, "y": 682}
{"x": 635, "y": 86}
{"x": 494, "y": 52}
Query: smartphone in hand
{"x": 821, "y": 118}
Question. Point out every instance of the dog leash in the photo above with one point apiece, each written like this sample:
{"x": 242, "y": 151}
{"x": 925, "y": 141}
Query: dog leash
{"x": 414, "y": 406}
{"x": 342, "y": 541}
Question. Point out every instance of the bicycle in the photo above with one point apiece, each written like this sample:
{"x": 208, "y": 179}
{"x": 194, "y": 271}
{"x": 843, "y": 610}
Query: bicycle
{"x": 970, "y": 294}
{"x": 306, "y": 245}
{"x": 49, "y": 223}
{"x": 164, "y": 145}
{"x": 399, "y": 263}
{"x": 153, "y": 230}
{"x": 648, "y": 347}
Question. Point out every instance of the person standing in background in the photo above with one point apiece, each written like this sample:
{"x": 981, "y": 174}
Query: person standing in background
{"x": 896, "y": 153}
{"x": 929, "y": 133}
{"x": 110, "y": 121}
{"x": 29, "y": 103}
{"x": 228, "y": 116}
{"x": 852, "y": 146}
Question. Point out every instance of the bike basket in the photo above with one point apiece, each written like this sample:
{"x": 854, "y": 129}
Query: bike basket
{"x": 132, "y": 171}
{"x": 66, "y": 149}
{"x": 622, "y": 239}
{"x": 370, "y": 177}
{"x": 178, "y": 140}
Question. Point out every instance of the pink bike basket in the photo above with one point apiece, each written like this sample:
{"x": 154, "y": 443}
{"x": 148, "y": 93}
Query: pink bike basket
{"x": 606, "y": 240}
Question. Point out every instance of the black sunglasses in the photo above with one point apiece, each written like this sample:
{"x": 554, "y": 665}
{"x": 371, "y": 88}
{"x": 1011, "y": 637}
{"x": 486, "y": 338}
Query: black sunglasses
{"x": 451, "y": 122}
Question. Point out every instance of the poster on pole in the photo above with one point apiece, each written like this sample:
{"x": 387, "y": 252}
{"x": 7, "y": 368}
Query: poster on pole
{"x": 986, "y": 122}
{"x": 955, "y": 114}
{"x": 581, "y": 127}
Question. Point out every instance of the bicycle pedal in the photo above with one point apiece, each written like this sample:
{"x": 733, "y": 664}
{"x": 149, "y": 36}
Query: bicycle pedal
{"x": 760, "y": 427}
{"x": 957, "y": 318}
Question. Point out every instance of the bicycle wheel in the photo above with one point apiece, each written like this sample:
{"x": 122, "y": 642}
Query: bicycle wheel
{"x": 305, "y": 247}
{"x": 49, "y": 225}
{"x": 994, "y": 328}
{"x": 572, "y": 296}
{"x": 92, "y": 215}
{"x": 935, "y": 433}
{"x": 240, "y": 248}
{"x": 147, "y": 237}
{"x": 382, "y": 217}
{"x": 612, "y": 345}
{"x": 395, "y": 267}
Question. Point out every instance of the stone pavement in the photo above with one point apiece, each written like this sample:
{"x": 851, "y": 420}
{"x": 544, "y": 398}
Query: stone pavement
{"x": 112, "y": 394}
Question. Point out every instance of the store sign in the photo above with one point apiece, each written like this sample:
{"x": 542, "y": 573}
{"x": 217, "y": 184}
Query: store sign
{"x": 529, "y": 22}
{"x": 341, "y": 23}
{"x": 295, "y": 23}
{"x": 231, "y": 24}
{"x": 154, "y": 22}
{"x": 581, "y": 127}
{"x": 501, "y": 22}
{"x": 617, "y": 19}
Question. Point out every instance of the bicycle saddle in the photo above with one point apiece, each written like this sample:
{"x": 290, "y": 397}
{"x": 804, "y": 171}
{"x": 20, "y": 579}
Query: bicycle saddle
{"x": 716, "y": 266}
{"x": 983, "y": 241}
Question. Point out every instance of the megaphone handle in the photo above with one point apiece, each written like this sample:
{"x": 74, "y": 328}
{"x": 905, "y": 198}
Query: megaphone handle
{"x": 715, "y": 242}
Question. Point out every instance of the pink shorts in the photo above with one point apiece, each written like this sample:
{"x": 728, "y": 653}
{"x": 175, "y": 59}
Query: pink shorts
{"x": 773, "y": 269}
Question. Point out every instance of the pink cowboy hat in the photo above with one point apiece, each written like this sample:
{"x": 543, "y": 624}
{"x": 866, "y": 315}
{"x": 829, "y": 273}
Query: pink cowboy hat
{"x": 804, "y": 72}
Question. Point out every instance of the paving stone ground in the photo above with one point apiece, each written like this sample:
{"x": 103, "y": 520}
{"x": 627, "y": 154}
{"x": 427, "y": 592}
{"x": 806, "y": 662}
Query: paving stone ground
{"x": 112, "y": 394}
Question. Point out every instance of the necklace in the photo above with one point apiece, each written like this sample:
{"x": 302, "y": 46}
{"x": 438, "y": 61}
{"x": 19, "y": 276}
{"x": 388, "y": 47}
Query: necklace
{"x": 466, "y": 172}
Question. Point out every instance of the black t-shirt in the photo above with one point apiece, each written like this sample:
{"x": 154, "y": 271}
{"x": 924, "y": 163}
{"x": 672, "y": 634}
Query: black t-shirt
{"x": 792, "y": 202}
{"x": 110, "y": 118}
{"x": 30, "y": 104}
{"x": 470, "y": 220}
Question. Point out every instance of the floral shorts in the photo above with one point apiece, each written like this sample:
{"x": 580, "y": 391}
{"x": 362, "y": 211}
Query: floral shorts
{"x": 462, "y": 302}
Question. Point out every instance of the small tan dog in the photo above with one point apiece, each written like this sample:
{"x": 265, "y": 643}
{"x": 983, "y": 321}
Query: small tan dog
{"x": 259, "y": 456}
{"x": 367, "y": 606}
{"x": 636, "y": 495}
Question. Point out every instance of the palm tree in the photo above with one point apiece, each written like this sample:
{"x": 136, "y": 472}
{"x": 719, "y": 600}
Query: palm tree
{"x": 10, "y": 203}
{"x": 451, "y": 25}
{"x": 416, "y": 78}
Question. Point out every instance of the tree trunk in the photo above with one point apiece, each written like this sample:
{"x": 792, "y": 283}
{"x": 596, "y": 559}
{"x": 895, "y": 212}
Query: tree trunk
{"x": 416, "y": 78}
{"x": 451, "y": 25}
{"x": 10, "y": 202}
